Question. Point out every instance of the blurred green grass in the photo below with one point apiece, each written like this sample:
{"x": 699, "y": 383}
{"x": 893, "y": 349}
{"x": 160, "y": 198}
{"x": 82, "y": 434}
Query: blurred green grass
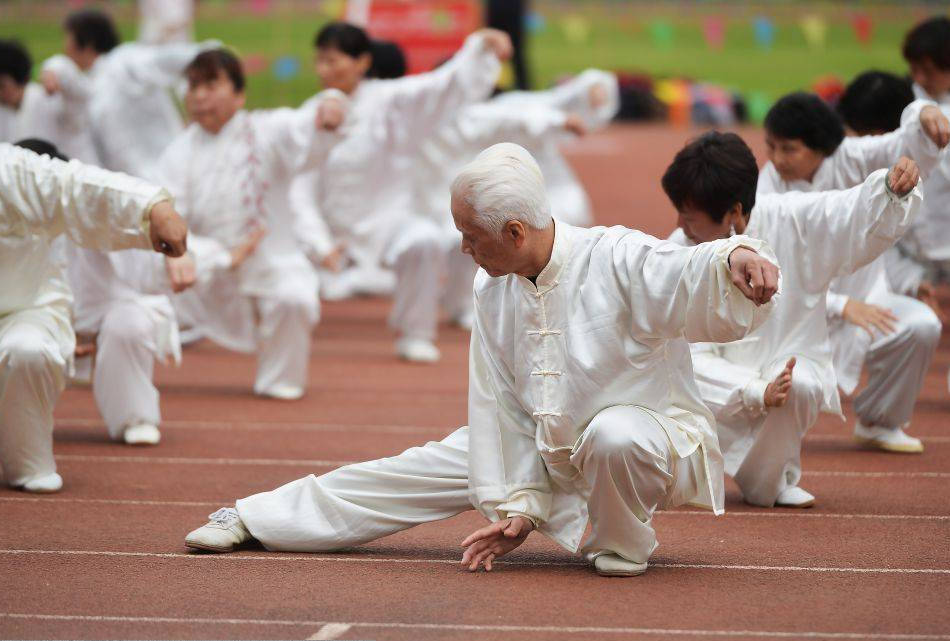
{"x": 614, "y": 37}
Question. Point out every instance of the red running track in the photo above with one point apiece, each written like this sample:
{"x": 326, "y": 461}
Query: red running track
{"x": 105, "y": 558}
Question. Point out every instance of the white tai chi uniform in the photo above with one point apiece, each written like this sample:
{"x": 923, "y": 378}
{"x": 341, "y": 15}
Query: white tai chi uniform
{"x": 114, "y": 297}
{"x": 897, "y": 362}
{"x": 582, "y": 404}
{"x": 569, "y": 200}
{"x": 41, "y": 198}
{"x": 364, "y": 189}
{"x": 817, "y": 238}
{"x": 162, "y": 21}
{"x": 225, "y": 184}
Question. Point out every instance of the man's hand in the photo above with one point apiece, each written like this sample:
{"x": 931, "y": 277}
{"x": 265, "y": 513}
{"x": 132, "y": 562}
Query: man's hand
{"x": 181, "y": 272}
{"x": 927, "y": 294}
{"x": 755, "y": 277}
{"x": 935, "y": 125}
{"x": 499, "y": 42}
{"x": 167, "y": 230}
{"x": 85, "y": 345}
{"x": 575, "y": 125}
{"x": 334, "y": 260}
{"x": 597, "y": 95}
{"x": 903, "y": 176}
{"x": 869, "y": 317}
{"x": 245, "y": 248}
{"x": 485, "y": 545}
{"x": 50, "y": 82}
{"x": 330, "y": 114}
{"x": 776, "y": 393}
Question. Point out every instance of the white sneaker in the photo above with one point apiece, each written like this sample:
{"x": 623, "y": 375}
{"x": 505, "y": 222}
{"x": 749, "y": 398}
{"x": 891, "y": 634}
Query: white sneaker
{"x": 222, "y": 533}
{"x": 616, "y": 565}
{"x": 143, "y": 434}
{"x": 44, "y": 484}
{"x": 887, "y": 439}
{"x": 794, "y": 496}
{"x": 282, "y": 392}
{"x": 417, "y": 350}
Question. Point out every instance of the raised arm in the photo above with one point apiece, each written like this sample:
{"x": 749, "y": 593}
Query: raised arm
{"x": 422, "y": 102}
{"x": 507, "y": 476}
{"x": 923, "y": 132}
{"x": 693, "y": 291}
{"x": 96, "y": 208}
{"x": 60, "y": 74}
{"x": 485, "y": 124}
{"x": 301, "y": 138}
{"x": 845, "y": 230}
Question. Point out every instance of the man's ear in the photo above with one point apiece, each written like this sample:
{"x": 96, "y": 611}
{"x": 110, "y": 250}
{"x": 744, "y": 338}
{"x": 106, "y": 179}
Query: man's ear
{"x": 365, "y": 61}
{"x": 515, "y": 230}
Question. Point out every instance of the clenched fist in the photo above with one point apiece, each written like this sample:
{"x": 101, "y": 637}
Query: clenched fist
{"x": 167, "y": 230}
{"x": 903, "y": 176}
{"x": 755, "y": 277}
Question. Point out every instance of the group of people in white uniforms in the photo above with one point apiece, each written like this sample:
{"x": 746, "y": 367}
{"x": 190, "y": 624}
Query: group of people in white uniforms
{"x": 40, "y": 199}
{"x": 582, "y": 404}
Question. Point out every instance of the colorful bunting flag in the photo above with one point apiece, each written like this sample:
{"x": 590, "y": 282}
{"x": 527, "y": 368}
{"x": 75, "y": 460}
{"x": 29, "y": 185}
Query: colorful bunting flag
{"x": 815, "y": 30}
{"x": 714, "y": 31}
{"x": 764, "y": 32}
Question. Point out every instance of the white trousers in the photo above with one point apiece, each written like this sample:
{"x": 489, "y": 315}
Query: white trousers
{"x": 285, "y": 321}
{"x": 34, "y": 347}
{"x": 125, "y": 357}
{"x": 416, "y": 253}
{"x": 897, "y": 363}
{"x": 763, "y": 455}
{"x": 627, "y": 463}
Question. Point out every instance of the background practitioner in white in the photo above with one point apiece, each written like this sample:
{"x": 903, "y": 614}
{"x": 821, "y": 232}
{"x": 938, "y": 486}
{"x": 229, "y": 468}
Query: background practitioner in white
{"x": 817, "y": 238}
{"x": 41, "y": 198}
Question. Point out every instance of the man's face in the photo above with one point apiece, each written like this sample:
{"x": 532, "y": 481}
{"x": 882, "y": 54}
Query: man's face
{"x": 793, "y": 159}
{"x": 11, "y": 93}
{"x": 490, "y": 251}
{"x": 934, "y": 80}
{"x": 338, "y": 70}
{"x": 699, "y": 226}
{"x": 212, "y": 103}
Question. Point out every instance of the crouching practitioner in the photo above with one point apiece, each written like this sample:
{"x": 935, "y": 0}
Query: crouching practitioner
{"x": 582, "y": 402}
{"x": 767, "y": 391}
{"x": 41, "y": 198}
{"x": 893, "y": 334}
{"x": 230, "y": 171}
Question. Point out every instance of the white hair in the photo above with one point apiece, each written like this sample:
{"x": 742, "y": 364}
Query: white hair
{"x": 504, "y": 183}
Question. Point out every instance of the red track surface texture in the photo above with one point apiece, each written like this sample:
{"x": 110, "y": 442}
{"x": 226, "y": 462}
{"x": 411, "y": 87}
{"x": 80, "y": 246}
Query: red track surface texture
{"x": 105, "y": 557}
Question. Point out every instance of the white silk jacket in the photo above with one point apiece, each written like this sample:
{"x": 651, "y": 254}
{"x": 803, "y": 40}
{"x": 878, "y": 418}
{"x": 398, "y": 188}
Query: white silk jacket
{"x": 606, "y": 324}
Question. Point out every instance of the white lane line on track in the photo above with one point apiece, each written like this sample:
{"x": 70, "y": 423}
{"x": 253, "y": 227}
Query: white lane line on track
{"x": 704, "y": 514}
{"x": 391, "y": 625}
{"x": 313, "y": 558}
{"x": 190, "y": 460}
{"x": 330, "y": 631}
{"x": 339, "y": 427}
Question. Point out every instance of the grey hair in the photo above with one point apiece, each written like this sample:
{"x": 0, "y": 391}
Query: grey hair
{"x": 504, "y": 183}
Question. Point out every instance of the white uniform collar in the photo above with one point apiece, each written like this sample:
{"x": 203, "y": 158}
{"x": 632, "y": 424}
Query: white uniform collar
{"x": 560, "y": 254}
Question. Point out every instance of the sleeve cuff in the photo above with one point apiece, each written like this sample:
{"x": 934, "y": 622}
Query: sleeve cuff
{"x": 145, "y": 224}
{"x": 753, "y": 396}
{"x": 531, "y": 504}
{"x": 835, "y": 304}
{"x": 534, "y": 520}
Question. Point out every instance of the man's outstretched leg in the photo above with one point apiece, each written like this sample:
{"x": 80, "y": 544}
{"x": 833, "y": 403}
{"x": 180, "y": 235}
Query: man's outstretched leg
{"x": 351, "y": 505}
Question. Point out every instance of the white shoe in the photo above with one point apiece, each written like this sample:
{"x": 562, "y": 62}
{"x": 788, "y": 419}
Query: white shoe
{"x": 887, "y": 439}
{"x": 222, "y": 533}
{"x": 282, "y": 392}
{"x": 794, "y": 496}
{"x": 44, "y": 484}
{"x": 417, "y": 350}
{"x": 616, "y": 565}
{"x": 143, "y": 434}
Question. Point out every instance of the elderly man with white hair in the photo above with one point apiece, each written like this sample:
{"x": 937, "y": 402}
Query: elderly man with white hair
{"x": 582, "y": 403}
